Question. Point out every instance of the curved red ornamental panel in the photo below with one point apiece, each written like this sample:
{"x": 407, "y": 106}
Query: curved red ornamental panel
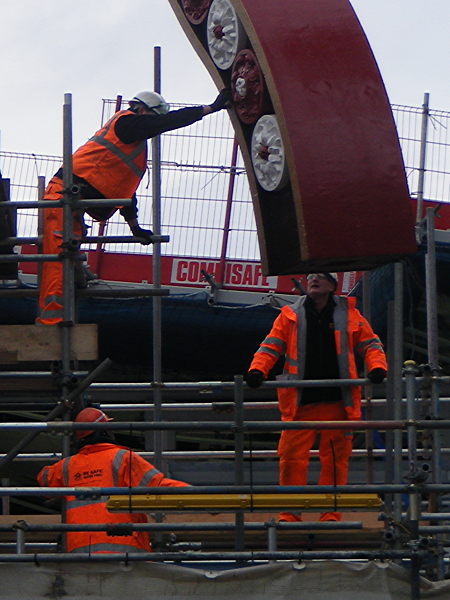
{"x": 315, "y": 128}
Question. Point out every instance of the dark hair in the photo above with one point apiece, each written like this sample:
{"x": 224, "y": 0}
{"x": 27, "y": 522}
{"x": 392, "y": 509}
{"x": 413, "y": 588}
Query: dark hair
{"x": 134, "y": 105}
{"x": 96, "y": 437}
{"x": 331, "y": 279}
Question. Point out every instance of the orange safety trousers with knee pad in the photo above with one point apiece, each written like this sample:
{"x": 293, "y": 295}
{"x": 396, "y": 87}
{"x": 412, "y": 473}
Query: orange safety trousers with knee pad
{"x": 51, "y": 285}
{"x": 115, "y": 169}
{"x": 335, "y": 448}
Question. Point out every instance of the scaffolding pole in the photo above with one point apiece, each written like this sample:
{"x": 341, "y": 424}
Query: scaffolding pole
{"x": 240, "y": 557}
{"x": 156, "y": 262}
{"x": 422, "y": 164}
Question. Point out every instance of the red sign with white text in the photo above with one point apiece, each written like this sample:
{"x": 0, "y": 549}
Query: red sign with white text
{"x": 247, "y": 275}
{"x": 189, "y": 272}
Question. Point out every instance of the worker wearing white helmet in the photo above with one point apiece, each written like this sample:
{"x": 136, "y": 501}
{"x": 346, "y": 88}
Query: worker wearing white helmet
{"x": 110, "y": 164}
{"x": 151, "y": 100}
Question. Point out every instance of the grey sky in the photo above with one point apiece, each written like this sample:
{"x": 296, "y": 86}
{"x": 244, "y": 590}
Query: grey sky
{"x": 97, "y": 49}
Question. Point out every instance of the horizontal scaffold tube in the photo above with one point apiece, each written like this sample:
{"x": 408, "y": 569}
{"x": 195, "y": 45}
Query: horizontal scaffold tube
{"x": 357, "y": 453}
{"x": 215, "y": 404}
{"x": 21, "y": 204}
{"x": 19, "y": 258}
{"x": 64, "y": 527}
{"x": 395, "y": 488}
{"x": 216, "y": 386}
{"x": 215, "y": 556}
{"x": 90, "y": 292}
{"x": 35, "y": 374}
{"x": 247, "y": 426}
{"x": 93, "y": 239}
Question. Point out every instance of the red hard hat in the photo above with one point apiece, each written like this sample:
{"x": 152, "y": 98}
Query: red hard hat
{"x": 89, "y": 415}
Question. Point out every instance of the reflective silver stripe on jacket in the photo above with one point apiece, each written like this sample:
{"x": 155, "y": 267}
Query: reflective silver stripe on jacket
{"x": 276, "y": 342}
{"x": 268, "y": 350}
{"x": 53, "y": 298}
{"x": 299, "y": 309}
{"x": 374, "y": 343}
{"x": 65, "y": 471}
{"x": 116, "y": 465}
{"x": 51, "y": 314}
{"x": 45, "y": 477}
{"x": 148, "y": 477}
{"x": 277, "y": 352}
{"x": 77, "y": 503}
{"x": 108, "y": 548}
{"x": 290, "y": 361}
{"x": 118, "y": 458}
{"x": 127, "y": 159}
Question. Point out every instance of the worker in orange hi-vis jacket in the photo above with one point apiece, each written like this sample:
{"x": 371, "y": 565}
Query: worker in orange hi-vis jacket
{"x": 99, "y": 462}
{"x": 110, "y": 164}
{"x": 318, "y": 335}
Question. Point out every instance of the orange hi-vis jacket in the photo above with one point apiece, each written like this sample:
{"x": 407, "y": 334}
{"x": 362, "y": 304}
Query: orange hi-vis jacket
{"x": 103, "y": 465}
{"x": 112, "y": 167}
{"x": 288, "y": 338}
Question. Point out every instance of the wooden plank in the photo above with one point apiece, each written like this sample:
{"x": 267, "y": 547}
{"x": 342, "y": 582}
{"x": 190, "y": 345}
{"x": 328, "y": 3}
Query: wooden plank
{"x": 28, "y": 343}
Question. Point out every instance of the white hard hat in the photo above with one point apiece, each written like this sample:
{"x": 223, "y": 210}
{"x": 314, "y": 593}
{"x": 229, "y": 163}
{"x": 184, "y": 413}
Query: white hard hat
{"x": 153, "y": 101}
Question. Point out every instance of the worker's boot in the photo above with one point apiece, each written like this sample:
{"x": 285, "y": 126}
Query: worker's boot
{"x": 330, "y": 516}
{"x": 83, "y": 276}
{"x": 290, "y": 517}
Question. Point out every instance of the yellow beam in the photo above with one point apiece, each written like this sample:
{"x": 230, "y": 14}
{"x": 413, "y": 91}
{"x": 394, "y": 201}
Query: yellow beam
{"x": 242, "y": 501}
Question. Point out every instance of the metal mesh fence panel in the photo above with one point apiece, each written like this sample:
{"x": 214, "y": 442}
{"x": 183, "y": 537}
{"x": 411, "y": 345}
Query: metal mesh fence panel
{"x": 437, "y": 167}
{"x": 196, "y": 170}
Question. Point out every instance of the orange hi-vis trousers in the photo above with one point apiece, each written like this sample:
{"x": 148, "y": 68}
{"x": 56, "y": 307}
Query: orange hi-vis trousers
{"x": 51, "y": 286}
{"x": 335, "y": 448}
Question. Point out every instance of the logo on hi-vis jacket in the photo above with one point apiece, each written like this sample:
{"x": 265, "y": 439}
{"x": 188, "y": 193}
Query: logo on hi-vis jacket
{"x": 85, "y": 475}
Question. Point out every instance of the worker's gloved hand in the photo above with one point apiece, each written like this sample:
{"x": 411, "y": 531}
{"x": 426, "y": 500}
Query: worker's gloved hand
{"x": 145, "y": 234}
{"x": 376, "y": 375}
{"x": 254, "y": 378}
{"x": 223, "y": 100}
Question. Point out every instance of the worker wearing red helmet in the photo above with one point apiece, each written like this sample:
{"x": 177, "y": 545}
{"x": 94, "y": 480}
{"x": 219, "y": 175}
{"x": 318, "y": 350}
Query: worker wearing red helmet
{"x": 99, "y": 462}
{"x": 110, "y": 164}
{"x": 317, "y": 336}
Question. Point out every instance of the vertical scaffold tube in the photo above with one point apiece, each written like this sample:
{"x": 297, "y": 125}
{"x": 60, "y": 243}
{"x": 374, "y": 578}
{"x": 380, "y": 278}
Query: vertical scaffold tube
{"x": 156, "y": 262}
{"x": 239, "y": 455}
{"x": 397, "y": 377}
{"x": 41, "y": 191}
{"x": 415, "y": 496}
{"x": 368, "y": 389}
{"x": 431, "y": 294}
{"x": 68, "y": 264}
{"x": 410, "y": 382}
{"x": 422, "y": 161}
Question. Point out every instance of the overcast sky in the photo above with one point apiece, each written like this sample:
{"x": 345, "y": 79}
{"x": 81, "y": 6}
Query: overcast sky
{"x": 97, "y": 49}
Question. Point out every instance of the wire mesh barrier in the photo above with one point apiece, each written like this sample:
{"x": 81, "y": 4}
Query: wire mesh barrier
{"x": 196, "y": 170}
{"x": 409, "y": 125}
